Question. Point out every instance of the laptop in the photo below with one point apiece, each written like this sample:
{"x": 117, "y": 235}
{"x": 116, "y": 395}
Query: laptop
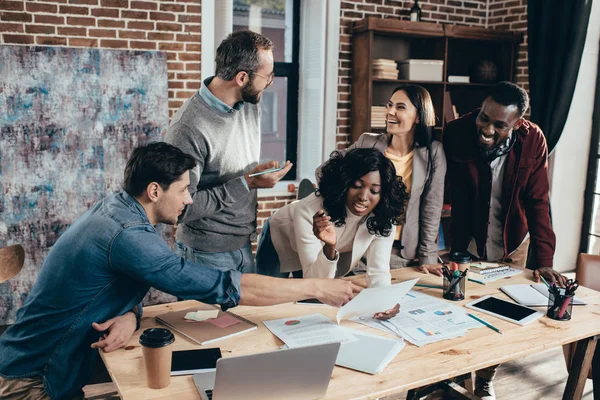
{"x": 291, "y": 374}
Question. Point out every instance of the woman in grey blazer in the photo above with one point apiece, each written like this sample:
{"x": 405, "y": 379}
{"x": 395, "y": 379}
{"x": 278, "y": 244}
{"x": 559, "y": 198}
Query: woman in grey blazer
{"x": 420, "y": 160}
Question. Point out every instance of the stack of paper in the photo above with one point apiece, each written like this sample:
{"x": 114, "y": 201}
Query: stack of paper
{"x": 359, "y": 350}
{"x": 424, "y": 319}
{"x": 377, "y": 116}
{"x": 385, "y": 69}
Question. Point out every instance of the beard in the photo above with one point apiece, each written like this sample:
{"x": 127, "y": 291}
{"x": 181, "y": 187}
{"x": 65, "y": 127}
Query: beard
{"x": 251, "y": 95}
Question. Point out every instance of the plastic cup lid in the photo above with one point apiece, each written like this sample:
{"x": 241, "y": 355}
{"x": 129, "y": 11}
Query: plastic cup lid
{"x": 460, "y": 257}
{"x": 156, "y": 337}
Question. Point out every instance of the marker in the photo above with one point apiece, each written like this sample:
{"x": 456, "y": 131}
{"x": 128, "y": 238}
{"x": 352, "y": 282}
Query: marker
{"x": 429, "y": 286}
{"x": 492, "y": 327}
{"x": 546, "y": 283}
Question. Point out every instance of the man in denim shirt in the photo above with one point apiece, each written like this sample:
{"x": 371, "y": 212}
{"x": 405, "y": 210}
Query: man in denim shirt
{"x": 102, "y": 267}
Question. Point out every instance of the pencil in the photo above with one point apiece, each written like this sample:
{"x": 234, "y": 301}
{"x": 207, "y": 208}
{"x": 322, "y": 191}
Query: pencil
{"x": 492, "y": 327}
{"x": 476, "y": 281}
{"x": 429, "y": 286}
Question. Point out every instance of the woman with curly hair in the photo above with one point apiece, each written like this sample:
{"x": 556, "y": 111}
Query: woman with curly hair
{"x": 355, "y": 211}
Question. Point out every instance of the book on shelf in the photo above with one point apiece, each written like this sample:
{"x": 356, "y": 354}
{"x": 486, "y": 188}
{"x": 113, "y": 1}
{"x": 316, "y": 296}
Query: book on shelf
{"x": 225, "y": 325}
{"x": 459, "y": 79}
{"x": 450, "y": 113}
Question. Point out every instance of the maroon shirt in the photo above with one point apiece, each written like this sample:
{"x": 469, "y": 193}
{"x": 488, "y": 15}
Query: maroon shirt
{"x": 525, "y": 203}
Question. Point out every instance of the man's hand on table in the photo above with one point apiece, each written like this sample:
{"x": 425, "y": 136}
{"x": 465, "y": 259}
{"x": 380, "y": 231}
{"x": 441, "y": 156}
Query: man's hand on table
{"x": 550, "y": 275}
{"x": 435, "y": 269}
{"x": 336, "y": 292}
{"x": 120, "y": 329}
{"x": 391, "y": 313}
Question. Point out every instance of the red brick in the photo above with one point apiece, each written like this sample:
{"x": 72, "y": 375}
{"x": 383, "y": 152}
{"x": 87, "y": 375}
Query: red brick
{"x": 175, "y": 104}
{"x": 188, "y": 38}
{"x": 80, "y": 42}
{"x": 115, "y": 3}
{"x": 102, "y": 33}
{"x": 49, "y": 19}
{"x": 132, "y": 35}
{"x": 195, "y": 19}
{"x": 143, "y": 5}
{"x": 146, "y": 26}
{"x": 114, "y": 44}
{"x": 171, "y": 56}
{"x": 88, "y": 2}
{"x": 188, "y": 76}
{"x": 160, "y": 36}
{"x": 189, "y": 1}
{"x": 51, "y": 40}
{"x": 170, "y": 76}
{"x": 81, "y": 21}
{"x": 170, "y": 46}
{"x": 172, "y": 8}
{"x": 45, "y": 8}
{"x": 106, "y": 12}
{"x": 47, "y": 29}
{"x": 15, "y": 16}
{"x": 20, "y": 39}
{"x": 142, "y": 45}
{"x": 193, "y": 85}
{"x": 176, "y": 85}
{"x": 165, "y": 26}
{"x": 11, "y": 27}
{"x": 456, "y": 18}
{"x": 110, "y": 23}
{"x": 193, "y": 47}
{"x": 185, "y": 95}
{"x": 194, "y": 9}
{"x": 70, "y": 31}
{"x": 74, "y": 10}
{"x": 134, "y": 14}
{"x": 192, "y": 28}
{"x": 175, "y": 66}
{"x": 12, "y": 5}
{"x": 189, "y": 56}
{"x": 161, "y": 16}
{"x": 192, "y": 66}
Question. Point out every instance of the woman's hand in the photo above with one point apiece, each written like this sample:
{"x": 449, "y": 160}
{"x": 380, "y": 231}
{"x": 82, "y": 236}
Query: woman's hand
{"x": 324, "y": 229}
{"x": 391, "y": 313}
{"x": 435, "y": 269}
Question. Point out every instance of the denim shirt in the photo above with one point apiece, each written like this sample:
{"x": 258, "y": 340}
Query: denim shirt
{"x": 101, "y": 267}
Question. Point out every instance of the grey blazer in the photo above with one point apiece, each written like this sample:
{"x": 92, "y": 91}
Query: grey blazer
{"x": 424, "y": 210}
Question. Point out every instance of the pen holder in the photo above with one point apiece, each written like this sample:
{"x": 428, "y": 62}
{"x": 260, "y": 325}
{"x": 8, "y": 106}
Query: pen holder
{"x": 560, "y": 306}
{"x": 454, "y": 289}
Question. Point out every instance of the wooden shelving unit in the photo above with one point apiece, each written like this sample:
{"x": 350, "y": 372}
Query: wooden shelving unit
{"x": 461, "y": 48}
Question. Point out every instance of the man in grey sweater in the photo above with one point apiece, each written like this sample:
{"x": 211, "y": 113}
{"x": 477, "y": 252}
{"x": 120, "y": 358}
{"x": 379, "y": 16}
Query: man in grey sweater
{"x": 220, "y": 127}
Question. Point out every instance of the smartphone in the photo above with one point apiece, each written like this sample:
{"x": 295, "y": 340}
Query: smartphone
{"x": 311, "y": 302}
{"x": 190, "y": 362}
{"x": 266, "y": 171}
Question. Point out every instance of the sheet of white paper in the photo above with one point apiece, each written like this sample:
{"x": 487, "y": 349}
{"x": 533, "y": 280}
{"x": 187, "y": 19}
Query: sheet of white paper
{"x": 201, "y": 315}
{"x": 374, "y": 300}
{"x": 308, "y": 330}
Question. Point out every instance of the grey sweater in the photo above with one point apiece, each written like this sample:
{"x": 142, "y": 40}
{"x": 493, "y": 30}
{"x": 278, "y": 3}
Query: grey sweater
{"x": 225, "y": 146}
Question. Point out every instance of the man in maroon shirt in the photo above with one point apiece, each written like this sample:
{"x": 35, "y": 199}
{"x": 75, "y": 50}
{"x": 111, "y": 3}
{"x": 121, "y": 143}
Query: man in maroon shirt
{"x": 498, "y": 177}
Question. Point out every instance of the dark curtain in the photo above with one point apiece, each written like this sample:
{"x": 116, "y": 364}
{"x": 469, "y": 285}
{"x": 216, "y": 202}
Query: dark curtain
{"x": 556, "y": 34}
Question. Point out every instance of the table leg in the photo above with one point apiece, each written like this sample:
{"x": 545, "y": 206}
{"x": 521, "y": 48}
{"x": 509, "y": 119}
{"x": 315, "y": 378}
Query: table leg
{"x": 596, "y": 373}
{"x": 582, "y": 360}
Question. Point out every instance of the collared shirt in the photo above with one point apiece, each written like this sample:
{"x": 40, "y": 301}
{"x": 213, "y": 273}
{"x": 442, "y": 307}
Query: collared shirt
{"x": 214, "y": 101}
{"x": 494, "y": 244}
{"x": 100, "y": 268}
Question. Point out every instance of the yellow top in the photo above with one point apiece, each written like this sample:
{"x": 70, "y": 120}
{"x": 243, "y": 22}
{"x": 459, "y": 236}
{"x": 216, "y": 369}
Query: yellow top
{"x": 404, "y": 168}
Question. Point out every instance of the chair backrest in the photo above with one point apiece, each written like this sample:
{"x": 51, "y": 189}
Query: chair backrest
{"x": 588, "y": 270}
{"x": 12, "y": 259}
{"x": 305, "y": 189}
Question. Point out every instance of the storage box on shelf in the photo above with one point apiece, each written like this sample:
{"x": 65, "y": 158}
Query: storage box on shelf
{"x": 428, "y": 54}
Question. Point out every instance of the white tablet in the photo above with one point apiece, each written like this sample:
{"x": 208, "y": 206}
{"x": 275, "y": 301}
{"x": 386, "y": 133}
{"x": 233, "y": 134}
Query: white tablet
{"x": 504, "y": 309}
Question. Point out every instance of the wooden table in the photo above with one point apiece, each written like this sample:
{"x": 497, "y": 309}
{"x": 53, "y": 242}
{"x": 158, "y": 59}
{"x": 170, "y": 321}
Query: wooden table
{"x": 413, "y": 367}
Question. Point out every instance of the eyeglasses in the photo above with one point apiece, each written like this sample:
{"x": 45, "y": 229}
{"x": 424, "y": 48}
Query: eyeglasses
{"x": 269, "y": 79}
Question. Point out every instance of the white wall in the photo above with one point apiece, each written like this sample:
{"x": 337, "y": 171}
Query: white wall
{"x": 571, "y": 154}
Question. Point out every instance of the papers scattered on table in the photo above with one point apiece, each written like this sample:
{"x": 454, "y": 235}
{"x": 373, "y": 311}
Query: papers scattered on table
{"x": 201, "y": 315}
{"x": 374, "y": 300}
{"x": 308, "y": 330}
{"x": 424, "y": 319}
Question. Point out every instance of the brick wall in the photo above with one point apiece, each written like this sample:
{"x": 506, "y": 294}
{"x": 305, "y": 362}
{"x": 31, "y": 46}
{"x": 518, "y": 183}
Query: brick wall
{"x": 495, "y": 14}
{"x": 172, "y": 26}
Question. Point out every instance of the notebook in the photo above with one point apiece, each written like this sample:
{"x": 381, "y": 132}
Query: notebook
{"x": 227, "y": 324}
{"x": 369, "y": 353}
{"x": 534, "y": 295}
{"x": 483, "y": 268}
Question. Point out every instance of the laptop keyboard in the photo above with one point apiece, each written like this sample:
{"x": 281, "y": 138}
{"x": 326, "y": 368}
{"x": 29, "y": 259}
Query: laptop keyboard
{"x": 208, "y": 394}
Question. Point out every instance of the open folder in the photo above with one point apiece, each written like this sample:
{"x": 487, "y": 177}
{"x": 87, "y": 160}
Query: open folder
{"x": 532, "y": 295}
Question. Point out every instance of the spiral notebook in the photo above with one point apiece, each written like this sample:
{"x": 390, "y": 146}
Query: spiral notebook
{"x": 225, "y": 325}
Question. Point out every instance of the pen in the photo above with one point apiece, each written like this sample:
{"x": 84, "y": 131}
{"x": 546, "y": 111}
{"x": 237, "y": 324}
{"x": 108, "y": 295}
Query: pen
{"x": 476, "y": 281}
{"x": 440, "y": 260}
{"x": 492, "y": 327}
{"x": 546, "y": 283}
{"x": 429, "y": 286}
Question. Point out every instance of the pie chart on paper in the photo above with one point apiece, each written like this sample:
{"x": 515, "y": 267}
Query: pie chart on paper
{"x": 292, "y": 322}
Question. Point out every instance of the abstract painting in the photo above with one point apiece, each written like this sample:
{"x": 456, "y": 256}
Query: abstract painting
{"x": 69, "y": 118}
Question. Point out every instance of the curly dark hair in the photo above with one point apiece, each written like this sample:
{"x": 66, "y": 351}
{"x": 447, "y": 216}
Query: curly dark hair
{"x": 342, "y": 171}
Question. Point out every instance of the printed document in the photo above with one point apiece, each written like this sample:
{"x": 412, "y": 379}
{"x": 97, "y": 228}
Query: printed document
{"x": 308, "y": 330}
